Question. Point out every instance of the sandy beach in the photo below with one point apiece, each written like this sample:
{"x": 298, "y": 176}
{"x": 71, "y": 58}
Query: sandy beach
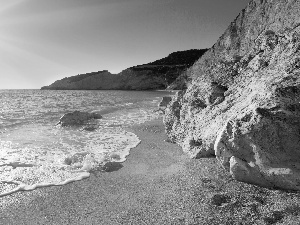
{"x": 157, "y": 184}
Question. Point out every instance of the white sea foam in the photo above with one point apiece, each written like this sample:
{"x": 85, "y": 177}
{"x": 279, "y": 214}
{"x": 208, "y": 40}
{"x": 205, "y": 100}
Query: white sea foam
{"x": 73, "y": 155}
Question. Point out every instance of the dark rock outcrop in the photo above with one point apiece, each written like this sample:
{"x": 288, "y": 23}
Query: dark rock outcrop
{"x": 155, "y": 75}
{"x": 77, "y": 118}
{"x": 165, "y": 101}
{"x": 242, "y": 101}
{"x": 163, "y": 104}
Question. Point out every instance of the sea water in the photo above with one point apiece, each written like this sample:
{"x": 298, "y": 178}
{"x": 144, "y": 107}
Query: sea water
{"x": 35, "y": 152}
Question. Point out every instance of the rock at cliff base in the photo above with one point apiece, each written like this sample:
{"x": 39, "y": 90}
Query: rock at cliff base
{"x": 77, "y": 118}
{"x": 262, "y": 147}
{"x": 165, "y": 101}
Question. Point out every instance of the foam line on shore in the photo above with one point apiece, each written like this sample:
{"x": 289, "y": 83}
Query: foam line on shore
{"x": 24, "y": 187}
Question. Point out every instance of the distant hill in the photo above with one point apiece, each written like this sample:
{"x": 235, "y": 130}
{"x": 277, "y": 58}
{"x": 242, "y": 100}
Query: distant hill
{"x": 187, "y": 57}
{"x": 155, "y": 75}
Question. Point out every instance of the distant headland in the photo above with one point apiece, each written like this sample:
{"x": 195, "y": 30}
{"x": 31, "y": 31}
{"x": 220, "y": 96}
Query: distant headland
{"x": 168, "y": 72}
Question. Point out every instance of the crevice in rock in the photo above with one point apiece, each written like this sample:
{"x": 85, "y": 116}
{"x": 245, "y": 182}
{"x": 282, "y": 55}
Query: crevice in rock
{"x": 271, "y": 39}
{"x": 246, "y": 118}
{"x": 217, "y": 93}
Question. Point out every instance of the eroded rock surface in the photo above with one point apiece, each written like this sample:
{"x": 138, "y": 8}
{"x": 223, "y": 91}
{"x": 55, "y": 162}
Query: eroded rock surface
{"x": 242, "y": 104}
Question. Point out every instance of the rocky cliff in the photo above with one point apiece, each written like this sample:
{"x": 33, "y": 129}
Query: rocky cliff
{"x": 155, "y": 75}
{"x": 242, "y": 103}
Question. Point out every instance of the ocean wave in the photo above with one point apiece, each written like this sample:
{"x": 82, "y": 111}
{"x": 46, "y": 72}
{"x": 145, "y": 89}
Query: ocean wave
{"x": 29, "y": 165}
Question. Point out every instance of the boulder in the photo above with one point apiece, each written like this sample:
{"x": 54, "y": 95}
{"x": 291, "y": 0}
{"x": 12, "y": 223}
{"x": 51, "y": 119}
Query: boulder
{"x": 77, "y": 118}
{"x": 261, "y": 144}
{"x": 242, "y": 102}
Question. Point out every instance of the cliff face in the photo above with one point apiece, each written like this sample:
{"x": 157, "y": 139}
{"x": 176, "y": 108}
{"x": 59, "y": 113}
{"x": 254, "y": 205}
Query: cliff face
{"x": 155, "y": 75}
{"x": 242, "y": 103}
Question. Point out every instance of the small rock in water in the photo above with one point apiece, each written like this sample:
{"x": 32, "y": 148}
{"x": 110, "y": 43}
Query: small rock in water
{"x": 115, "y": 156}
{"x": 77, "y": 157}
{"x": 77, "y": 118}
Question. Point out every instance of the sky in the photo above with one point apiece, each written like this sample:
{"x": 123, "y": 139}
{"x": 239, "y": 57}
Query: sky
{"x": 45, "y": 40}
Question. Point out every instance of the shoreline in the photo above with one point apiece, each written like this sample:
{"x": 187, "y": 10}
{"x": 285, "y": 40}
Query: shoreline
{"x": 157, "y": 184}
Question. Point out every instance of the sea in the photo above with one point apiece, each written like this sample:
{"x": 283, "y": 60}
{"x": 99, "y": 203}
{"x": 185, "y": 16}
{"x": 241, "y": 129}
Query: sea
{"x": 37, "y": 152}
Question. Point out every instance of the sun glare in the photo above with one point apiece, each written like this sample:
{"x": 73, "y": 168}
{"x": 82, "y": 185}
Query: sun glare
{"x": 5, "y": 5}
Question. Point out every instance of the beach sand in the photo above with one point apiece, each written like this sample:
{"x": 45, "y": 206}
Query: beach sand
{"x": 157, "y": 184}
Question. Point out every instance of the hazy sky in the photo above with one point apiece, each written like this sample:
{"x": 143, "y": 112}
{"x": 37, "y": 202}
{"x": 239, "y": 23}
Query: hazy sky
{"x": 45, "y": 40}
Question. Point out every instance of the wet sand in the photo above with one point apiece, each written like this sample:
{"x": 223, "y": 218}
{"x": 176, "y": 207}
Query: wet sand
{"x": 157, "y": 184}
